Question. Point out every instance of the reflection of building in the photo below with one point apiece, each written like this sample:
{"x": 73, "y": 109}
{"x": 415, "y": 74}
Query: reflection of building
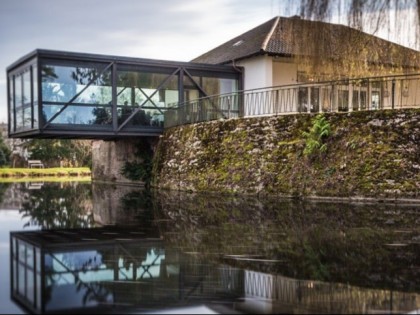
{"x": 266, "y": 293}
{"x": 126, "y": 269}
{"x": 107, "y": 269}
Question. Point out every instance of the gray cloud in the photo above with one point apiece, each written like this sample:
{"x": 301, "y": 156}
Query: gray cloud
{"x": 163, "y": 29}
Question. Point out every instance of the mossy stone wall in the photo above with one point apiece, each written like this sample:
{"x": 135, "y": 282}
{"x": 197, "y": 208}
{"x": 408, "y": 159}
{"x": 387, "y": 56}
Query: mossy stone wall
{"x": 369, "y": 154}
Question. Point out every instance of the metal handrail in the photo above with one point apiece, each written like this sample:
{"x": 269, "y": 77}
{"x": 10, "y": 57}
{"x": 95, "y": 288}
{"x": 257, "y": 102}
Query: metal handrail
{"x": 372, "y": 93}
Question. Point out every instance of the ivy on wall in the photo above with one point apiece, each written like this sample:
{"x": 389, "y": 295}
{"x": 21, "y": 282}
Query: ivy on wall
{"x": 141, "y": 168}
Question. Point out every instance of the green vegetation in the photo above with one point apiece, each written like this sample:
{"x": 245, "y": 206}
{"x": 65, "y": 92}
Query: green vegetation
{"x": 370, "y": 154}
{"x": 58, "y": 205}
{"x": 4, "y": 153}
{"x": 63, "y": 152}
{"x": 45, "y": 172}
{"x": 141, "y": 169}
{"x": 314, "y": 139}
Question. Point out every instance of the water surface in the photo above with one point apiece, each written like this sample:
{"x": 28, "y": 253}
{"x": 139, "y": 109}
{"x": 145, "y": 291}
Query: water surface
{"x": 77, "y": 247}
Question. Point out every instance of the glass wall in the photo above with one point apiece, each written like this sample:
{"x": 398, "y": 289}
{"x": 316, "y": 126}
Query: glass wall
{"x": 23, "y": 98}
{"x": 76, "y": 94}
{"x": 52, "y": 92}
{"x": 142, "y": 96}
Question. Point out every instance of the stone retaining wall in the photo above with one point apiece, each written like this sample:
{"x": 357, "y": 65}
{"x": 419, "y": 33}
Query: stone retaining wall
{"x": 369, "y": 154}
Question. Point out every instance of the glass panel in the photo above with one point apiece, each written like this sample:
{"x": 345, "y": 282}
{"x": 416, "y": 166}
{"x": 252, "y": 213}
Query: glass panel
{"x": 80, "y": 115}
{"x": 140, "y": 89}
{"x": 30, "y": 286}
{"x": 62, "y": 83}
{"x": 21, "y": 278}
{"x": 14, "y": 264}
{"x": 38, "y": 291}
{"x": 216, "y": 86}
{"x": 30, "y": 256}
{"x": 228, "y": 86}
{"x": 190, "y": 90}
{"x": 145, "y": 117}
{"x": 210, "y": 85}
{"x": 11, "y": 104}
{"x": 27, "y": 100}
{"x": 27, "y": 117}
{"x": 27, "y": 88}
{"x": 50, "y": 110}
{"x": 38, "y": 260}
{"x": 169, "y": 97}
{"x": 35, "y": 94}
{"x": 18, "y": 102}
{"x": 22, "y": 252}
{"x": 15, "y": 272}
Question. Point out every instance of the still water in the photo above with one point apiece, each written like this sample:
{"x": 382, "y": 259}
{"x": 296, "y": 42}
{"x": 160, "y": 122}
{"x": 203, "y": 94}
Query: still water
{"x": 81, "y": 247}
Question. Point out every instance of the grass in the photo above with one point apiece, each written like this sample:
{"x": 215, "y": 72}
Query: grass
{"x": 44, "y": 172}
{"x": 49, "y": 179}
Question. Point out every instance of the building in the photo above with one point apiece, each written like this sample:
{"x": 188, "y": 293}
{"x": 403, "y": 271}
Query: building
{"x": 297, "y": 65}
{"x": 283, "y": 50}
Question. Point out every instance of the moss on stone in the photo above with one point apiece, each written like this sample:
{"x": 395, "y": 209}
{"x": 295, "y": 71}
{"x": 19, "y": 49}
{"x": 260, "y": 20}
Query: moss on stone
{"x": 371, "y": 154}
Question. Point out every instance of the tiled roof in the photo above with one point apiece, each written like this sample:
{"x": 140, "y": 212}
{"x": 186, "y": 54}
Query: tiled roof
{"x": 283, "y": 36}
{"x": 244, "y": 45}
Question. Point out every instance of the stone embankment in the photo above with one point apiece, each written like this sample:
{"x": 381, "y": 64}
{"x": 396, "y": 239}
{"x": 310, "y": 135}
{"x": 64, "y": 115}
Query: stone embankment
{"x": 373, "y": 154}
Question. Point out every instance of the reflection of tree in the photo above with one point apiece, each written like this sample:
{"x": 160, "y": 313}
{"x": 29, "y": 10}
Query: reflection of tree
{"x": 63, "y": 87}
{"x": 142, "y": 118}
{"x": 53, "y": 206}
{"x": 320, "y": 241}
{"x": 102, "y": 117}
{"x": 139, "y": 203}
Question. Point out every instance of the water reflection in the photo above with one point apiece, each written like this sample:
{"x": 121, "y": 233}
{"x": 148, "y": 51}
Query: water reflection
{"x": 56, "y": 205}
{"x": 160, "y": 251}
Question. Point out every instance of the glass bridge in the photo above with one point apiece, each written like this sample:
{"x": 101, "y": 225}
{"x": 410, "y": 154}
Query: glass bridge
{"x": 53, "y": 94}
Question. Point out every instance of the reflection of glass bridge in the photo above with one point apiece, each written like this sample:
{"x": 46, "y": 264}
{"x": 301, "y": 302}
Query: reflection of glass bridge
{"x": 71, "y": 95}
{"x": 106, "y": 269}
{"x": 113, "y": 269}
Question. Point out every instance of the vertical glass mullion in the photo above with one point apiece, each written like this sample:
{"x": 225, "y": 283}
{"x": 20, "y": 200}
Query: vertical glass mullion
{"x": 31, "y": 84}
{"x": 35, "y": 95}
{"x": 114, "y": 97}
{"x": 11, "y": 99}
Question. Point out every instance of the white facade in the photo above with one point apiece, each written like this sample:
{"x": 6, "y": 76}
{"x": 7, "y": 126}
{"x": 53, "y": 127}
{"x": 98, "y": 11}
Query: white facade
{"x": 267, "y": 71}
{"x": 258, "y": 72}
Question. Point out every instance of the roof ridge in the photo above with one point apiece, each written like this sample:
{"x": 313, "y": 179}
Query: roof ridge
{"x": 268, "y": 37}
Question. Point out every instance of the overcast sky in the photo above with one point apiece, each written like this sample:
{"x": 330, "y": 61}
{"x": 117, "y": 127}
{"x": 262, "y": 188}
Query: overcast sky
{"x": 159, "y": 29}
{"x": 177, "y": 30}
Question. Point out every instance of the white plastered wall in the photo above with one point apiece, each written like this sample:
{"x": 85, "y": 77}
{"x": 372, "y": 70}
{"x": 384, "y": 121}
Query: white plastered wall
{"x": 258, "y": 72}
{"x": 264, "y": 71}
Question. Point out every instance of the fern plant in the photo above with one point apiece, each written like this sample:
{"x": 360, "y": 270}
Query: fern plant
{"x": 314, "y": 139}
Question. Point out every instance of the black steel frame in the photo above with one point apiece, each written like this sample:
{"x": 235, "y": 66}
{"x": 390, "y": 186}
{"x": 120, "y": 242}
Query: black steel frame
{"x": 47, "y": 129}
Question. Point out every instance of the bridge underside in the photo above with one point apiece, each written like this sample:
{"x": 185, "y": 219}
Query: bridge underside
{"x": 55, "y": 94}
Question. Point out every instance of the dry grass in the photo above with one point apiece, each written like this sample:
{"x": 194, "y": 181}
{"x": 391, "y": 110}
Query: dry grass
{"x": 44, "y": 172}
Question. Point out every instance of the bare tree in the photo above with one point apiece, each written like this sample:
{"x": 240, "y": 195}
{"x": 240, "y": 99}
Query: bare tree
{"x": 326, "y": 51}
